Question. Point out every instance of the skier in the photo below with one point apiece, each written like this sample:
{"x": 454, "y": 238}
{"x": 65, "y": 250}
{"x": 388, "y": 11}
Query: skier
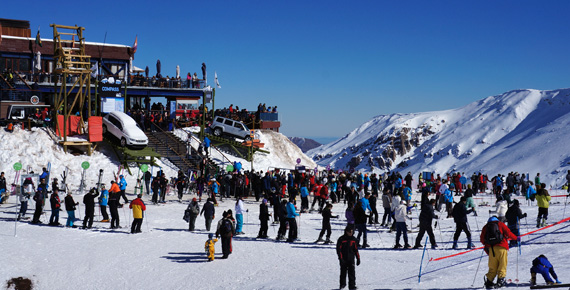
{"x": 386, "y": 203}
{"x": 542, "y": 266}
{"x": 469, "y": 196}
{"x": 89, "y": 201}
{"x": 55, "y": 204}
{"x": 514, "y": 215}
{"x": 427, "y": 214}
{"x": 210, "y": 248}
{"x": 147, "y": 178}
{"x": 304, "y": 198}
{"x": 460, "y": 213}
{"x": 263, "y": 218}
{"x": 347, "y": 250}
{"x": 543, "y": 201}
{"x": 494, "y": 236}
{"x": 327, "y": 214}
{"x": 226, "y": 230}
{"x": 291, "y": 219}
{"x": 155, "y": 185}
{"x": 282, "y": 214}
{"x": 194, "y": 210}
{"x": 138, "y": 207}
{"x": 114, "y": 204}
{"x": 209, "y": 212}
{"x": 360, "y": 218}
{"x": 103, "y": 200}
{"x": 39, "y": 198}
{"x": 240, "y": 209}
{"x": 349, "y": 215}
{"x": 400, "y": 218}
{"x": 123, "y": 187}
{"x": 25, "y": 196}
{"x": 70, "y": 208}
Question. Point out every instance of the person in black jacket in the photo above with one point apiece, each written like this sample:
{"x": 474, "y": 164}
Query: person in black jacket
{"x": 373, "y": 219}
{"x": 147, "y": 177}
{"x": 55, "y": 208}
{"x": 114, "y": 208}
{"x": 426, "y": 216}
{"x": 263, "y": 218}
{"x": 360, "y": 218}
{"x": 347, "y": 250}
{"x": 89, "y": 202}
{"x": 327, "y": 214}
{"x": 513, "y": 215}
{"x": 282, "y": 214}
{"x": 39, "y": 198}
{"x": 459, "y": 214}
{"x": 209, "y": 212}
{"x": 70, "y": 208}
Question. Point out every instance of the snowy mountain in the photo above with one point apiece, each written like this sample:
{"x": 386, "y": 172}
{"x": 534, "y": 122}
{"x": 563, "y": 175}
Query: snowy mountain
{"x": 305, "y": 144}
{"x": 521, "y": 130}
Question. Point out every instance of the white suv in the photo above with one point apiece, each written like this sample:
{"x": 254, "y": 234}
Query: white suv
{"x": 124, "y": 128}
{"x": 221, "y": 126}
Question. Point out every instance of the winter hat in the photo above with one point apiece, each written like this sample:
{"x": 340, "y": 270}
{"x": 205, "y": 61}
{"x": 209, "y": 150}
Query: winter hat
{"x": 194, "y": 199}
{"x": 210, "y": 235}
{"x": 264, "y": 201}
{"x": 493, "y": 219}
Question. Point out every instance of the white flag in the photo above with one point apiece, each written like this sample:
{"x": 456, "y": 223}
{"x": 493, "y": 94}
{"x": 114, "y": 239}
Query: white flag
{"x": 216, "y": 80}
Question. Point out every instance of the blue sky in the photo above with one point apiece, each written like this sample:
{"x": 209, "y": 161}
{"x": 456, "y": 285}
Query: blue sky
{"x": 330, "y": 66}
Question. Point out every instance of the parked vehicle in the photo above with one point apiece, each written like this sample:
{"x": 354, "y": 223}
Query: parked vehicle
{"x": 224, "y": 126}
{"x": 125, "y": 129}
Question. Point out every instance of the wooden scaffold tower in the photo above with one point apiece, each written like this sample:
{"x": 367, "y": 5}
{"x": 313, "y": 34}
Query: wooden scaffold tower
{"x": 73, "y": 65}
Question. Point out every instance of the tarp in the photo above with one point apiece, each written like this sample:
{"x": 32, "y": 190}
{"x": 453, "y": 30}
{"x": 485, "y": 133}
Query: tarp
{"x": 72, "y": 125}
{"x": 95, "y": 129}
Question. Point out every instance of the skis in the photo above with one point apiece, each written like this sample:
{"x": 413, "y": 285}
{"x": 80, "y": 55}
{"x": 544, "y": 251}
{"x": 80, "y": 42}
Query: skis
{"x": 63, "y": 180}
{"x": 99, "y": 180}
{"x": 544, "y": 286}
{"x": 119, "y": 172}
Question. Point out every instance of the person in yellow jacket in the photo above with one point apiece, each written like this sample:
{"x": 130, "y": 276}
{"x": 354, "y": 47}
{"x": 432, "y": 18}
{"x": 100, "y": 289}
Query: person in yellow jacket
{"x": 209, "y": 247}
{"x": 543, "y": 201}
{"x": 138, "y": 207}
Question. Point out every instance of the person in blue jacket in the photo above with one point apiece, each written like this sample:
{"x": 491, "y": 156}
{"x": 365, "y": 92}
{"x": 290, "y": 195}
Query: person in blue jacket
{"x": 291, "y": 215}
{"x": 103, "y": 200}
{"x": 542, "y": 266}
{"x": 408, "y": 197}
{"x": 304, "y": 198}
{"x": 206, "y": 146}
{"x": 366, "y": 203}
{"x": 123, "y": 187}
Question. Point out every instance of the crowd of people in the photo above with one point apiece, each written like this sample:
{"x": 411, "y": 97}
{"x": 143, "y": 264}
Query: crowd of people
{"x": 288, "y": 194}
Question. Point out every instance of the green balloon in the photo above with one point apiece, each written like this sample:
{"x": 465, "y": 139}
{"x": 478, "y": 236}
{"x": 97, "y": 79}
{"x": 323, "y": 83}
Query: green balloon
{"x": 230, "y": 168}
{"x": 17, "y": 166}
{"x": 144, "y": 168}
{"x": 85, "y": 165}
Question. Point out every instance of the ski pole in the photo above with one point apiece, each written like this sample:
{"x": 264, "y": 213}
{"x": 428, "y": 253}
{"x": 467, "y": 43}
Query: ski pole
{"x": 565, "y": 202}
{"x": 422, "y": 261}
{"x": 477, "y": 271}
{"x": 146, "y": 221}
{"x": 16, "y": 217}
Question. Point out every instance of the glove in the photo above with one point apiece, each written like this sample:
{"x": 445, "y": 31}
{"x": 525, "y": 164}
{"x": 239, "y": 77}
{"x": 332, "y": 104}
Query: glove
{"x": 357, "y": 262}
{"x": 524, "y": 214}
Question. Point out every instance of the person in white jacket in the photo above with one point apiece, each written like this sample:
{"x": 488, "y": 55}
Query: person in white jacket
{"x": 240, "y": 209}
{"x": 400, "y": 218}
{"x": 501, "y": 207}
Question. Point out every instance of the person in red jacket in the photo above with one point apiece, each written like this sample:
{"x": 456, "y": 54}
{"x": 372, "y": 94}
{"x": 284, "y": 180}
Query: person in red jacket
{"x": 138, "y": 207}
{"x": 495, "y": 236}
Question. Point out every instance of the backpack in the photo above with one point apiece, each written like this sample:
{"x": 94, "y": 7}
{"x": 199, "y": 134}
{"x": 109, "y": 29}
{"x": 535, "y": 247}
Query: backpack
{"x": 493, "y": 236}
{"x": 226, "y": 227}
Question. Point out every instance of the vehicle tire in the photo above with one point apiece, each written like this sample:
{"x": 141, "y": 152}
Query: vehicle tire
{"x": 218, "y": 132}
{"x": 123, "y": 142}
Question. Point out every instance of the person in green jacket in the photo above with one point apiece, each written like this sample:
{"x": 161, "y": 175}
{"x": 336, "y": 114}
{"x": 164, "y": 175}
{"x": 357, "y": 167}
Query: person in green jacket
{"x": 543, "y": 201}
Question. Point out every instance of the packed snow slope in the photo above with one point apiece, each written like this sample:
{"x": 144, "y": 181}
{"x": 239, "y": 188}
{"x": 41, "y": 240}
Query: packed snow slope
{"x": 523, "y": 131}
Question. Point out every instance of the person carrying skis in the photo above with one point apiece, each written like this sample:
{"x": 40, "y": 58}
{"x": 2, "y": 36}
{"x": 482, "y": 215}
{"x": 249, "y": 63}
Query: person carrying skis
{"x": 494, "y": 237}
{"x": 460, "y": 213}
{"x": 514, "y": 215}
{"x": 543, "y": 201}
{"x": 541, "y": 265}
{"x": 226, "y": 230}
{"x": 263, "y": 219}
{"x": 427, "y": 214}
{"x": 210, "y": 248}
{"x": 89, "y": 201}
{"x": 347, "y": 251}
{"x": 327, "y": 214}
{"x": 194, "y": 210}
{"x": 70, "y": 208}
{"x": 103, "y": 200}
{"x": 138, "y": 207}
{"x": 55, "y": 204}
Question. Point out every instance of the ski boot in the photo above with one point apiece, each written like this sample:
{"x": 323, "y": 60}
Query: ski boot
{"x": 397, "y": 246}
{"x": 488, "y": 284}
{"x": 434, "y": 246}
{"x": 538, "y": 223}
{"x": 406, "y": 246}
{"x": 532, "y": 279}
{"x": 454, "y": 245}
{"x": 328, "y": 241}
{"x": 469, "y": 243}
{"x": 417, "y": 246}
{"x": 500, "y": 283}
{"x": 319, "y": 241}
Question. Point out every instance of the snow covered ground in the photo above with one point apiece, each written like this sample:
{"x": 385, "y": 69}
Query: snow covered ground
{"x": 167, "y": 256}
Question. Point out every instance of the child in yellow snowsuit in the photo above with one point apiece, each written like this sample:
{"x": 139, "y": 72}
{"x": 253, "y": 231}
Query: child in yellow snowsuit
{"x": 209, "y": 247}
